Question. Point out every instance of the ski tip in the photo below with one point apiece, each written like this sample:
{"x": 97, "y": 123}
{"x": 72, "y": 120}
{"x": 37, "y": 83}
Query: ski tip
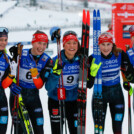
{"x": 84, "y": 16}
{"x": 98, "y": 12}
{"x": 94, "y": 13}
{"x": 88, "y": 17}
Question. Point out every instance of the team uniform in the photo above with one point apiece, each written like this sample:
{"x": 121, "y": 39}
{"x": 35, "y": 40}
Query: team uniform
{"x": 5, "y": 81}
{"x": 70, "y": 73}
{"x": 111, "y": 88}
{"x": 130, "y": 52}
{"x": 30, "y": 92}
{"x": 7, "y": 75}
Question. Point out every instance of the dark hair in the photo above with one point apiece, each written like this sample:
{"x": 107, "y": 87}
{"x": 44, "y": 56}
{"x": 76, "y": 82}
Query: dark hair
{"x": 79, "y": 49}
{"x": 116, "y": 50}
{"x": 39, "y": 32}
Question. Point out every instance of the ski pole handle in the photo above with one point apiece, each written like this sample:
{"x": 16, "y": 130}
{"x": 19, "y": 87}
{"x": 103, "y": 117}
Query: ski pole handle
{"x": 61, "y": 93}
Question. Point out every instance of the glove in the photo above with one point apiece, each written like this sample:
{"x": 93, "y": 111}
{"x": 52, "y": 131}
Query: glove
{"x": 128, "y": 87}
{"x": 15, "y": 51}
{"x": 15, "y": 89}
{"x": 56, "y": 34}
{"x": 13, "y": 67}
{"x": 94, "y": 68}
{"x": 57, "y": 68}
{"x": 32, "y": 64}
{"x": 128, "y": 71}
{"x": 48, "y": 69}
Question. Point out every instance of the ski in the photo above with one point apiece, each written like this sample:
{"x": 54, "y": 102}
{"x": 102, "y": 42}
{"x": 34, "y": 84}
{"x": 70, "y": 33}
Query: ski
{"x": 98, "y": 104}
{"x": 129, "y": 101}
{"x": 24, "y": 117}
{"x": 82, "y": 87}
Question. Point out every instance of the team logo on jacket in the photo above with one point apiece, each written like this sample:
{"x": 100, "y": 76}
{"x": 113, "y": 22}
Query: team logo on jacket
{"x": 44, "y": 58}
{"x": 55, "y": 111}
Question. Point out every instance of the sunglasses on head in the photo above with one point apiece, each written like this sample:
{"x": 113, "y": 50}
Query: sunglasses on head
{"x": 69, "y": 32}
{"x": 2, "y": 29}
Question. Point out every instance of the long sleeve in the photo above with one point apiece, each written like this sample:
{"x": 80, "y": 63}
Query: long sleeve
{"x": 44, "y": 74}
{"x": 52, "y": 82}
{"x": 127, "y": 68}
{"x": 7, "y": 79}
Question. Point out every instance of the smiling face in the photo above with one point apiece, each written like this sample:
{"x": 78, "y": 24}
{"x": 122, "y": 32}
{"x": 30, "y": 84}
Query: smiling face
{"x": 38, "y": 48}
{"x": 70, "y": 48}
{"x": 3, "y": 42}
{"x": 106, "y": 48}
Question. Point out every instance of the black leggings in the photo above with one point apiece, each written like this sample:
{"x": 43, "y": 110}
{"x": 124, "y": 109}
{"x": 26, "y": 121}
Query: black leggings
{"x": 33, "y": 105}
{"x": 3, "y": 112}
{"x": 71, "y": 116}
{"x": 114, "y": 96}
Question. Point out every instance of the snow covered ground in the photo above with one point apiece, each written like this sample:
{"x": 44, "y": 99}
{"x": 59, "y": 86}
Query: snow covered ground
{"x": 24, "y": 17}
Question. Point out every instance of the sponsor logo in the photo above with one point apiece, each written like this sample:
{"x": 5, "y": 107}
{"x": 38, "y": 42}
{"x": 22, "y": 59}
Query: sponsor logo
{"x": 110, "y": 62}
{"x": 118, "y": 117}
{"x": 75, "y": 123}
{"x": 2, "y": 63}
{"x": 55, "y": 111}
{"x": 119, "y": 106}
{"x": 24, "y": 53}
{"x": 4, "y": 109}
{"x": 40, "y": 121}
{"x": 39, "y": 65}
{"x": 125, "y": 14}
{"x": 44, "y": 58}
{"x": 3, "y": 119}
{"x": 71, "y": 67}
{"x": 123, "y": 7}
{"x": 37, "y": 110}
{"x": 130, "y": 7}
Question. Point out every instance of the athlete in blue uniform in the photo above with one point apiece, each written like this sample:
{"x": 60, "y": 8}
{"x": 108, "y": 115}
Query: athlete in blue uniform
{"x": 113, "y": 59}
{"x": 70, "y": 56}
{"x": 35, "y": 67}
{"x": 7, "y": 75}
{"x": 130, "y": 52}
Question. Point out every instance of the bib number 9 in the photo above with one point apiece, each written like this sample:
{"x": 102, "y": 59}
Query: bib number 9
{"x": 70, "y": 79}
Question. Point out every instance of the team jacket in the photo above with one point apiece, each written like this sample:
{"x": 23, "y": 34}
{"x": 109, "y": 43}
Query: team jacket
{"x": 111, "y": 66}
{"x": 25, "y": 78}
{"x": 70, "y": 78}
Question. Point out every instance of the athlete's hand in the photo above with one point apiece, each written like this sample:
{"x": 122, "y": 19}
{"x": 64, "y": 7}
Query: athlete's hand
{"x": 13, "y": 66}
{"x": 56, "y": 34}
{"x": 32, "y": 64}
{"x": 94, "y": 68}
{"x": 57, "y": 68}
{"x": 128, "y": 87}
{"x": 15, "y": 89}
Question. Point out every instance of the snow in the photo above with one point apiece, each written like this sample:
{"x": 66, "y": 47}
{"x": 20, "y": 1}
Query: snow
{"x": 6, "y": 5}
{"x": 25, "y": 17}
